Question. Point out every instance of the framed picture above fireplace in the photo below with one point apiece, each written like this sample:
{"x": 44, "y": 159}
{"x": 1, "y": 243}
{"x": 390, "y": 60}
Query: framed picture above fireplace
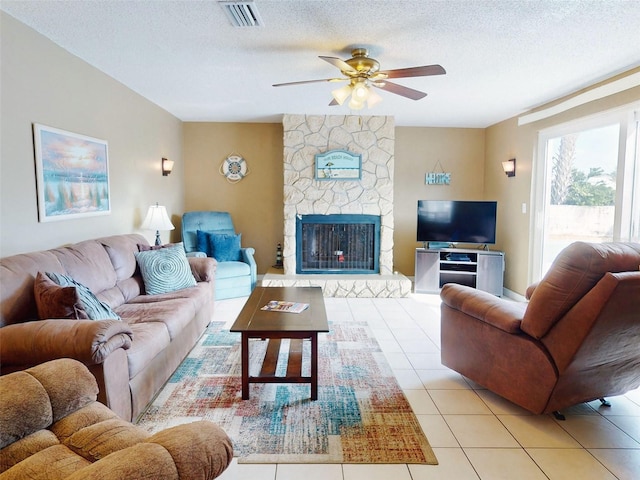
{"x": 338, "y": 165}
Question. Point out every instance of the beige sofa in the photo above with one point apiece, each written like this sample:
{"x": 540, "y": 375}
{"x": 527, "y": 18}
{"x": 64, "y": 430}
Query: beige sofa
{"x": 131, "y": 358}
{"x": 51, "y": 427}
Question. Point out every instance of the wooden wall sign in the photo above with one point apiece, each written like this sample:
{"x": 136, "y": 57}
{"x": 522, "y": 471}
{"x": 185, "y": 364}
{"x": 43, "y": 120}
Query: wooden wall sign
{"x": 338, "y": 165}
{"x": 437, "y": 178}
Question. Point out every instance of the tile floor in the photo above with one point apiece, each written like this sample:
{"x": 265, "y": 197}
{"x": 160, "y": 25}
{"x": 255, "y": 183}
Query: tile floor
{"x": 474, "y": 433}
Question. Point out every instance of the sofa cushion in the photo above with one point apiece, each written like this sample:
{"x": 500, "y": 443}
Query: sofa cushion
{"x": 165, "y": 270}
{"x": 225, "y": 248}
{"x": 85, "y": 303}
{"x": 121, "y": 251}
{"x": 175, "y": 313}
{"x": 25, "y": 447}
{"x": 232, "y": 269}
{"x": 58, "y": 461}
{"x": 88, "y": 263}
{"x": 24, "y": 409}
{"x": 100, "y": 439}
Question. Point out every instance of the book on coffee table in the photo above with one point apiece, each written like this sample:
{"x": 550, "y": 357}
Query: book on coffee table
{"x": 282, "y": 306}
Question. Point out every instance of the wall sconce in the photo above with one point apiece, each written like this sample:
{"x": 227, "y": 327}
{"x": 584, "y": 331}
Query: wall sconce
{"x": 509, "y": 167}
{"x": 167, "y": 167}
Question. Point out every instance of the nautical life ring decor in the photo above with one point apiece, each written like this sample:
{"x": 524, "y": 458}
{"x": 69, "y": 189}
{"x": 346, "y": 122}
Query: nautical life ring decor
{"x": 234, "y": 168}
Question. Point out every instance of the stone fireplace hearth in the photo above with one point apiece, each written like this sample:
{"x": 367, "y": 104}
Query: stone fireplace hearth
{"x": 372, "y": 137}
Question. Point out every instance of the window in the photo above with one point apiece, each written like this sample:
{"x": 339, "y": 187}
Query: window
{"x": 586, "y": 184}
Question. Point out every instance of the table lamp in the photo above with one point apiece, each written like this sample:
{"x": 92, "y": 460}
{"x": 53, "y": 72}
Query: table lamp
{"x": 157, "y": 219}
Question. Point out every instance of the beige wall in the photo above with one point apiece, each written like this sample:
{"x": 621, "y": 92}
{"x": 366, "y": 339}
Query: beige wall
{"x": 507, "y": 140}
{"x": 503, "y": 143}
{"x": 255, "y": 202}
{"x": 460, "y": 152}
{"x": 42, "y": 83}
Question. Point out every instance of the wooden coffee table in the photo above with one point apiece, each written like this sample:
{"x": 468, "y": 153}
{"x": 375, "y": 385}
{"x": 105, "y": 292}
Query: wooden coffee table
{"x": 275, "y": 326}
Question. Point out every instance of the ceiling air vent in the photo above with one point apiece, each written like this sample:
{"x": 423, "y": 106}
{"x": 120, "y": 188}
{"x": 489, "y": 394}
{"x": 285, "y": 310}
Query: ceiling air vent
{"x": 242, "y": 14}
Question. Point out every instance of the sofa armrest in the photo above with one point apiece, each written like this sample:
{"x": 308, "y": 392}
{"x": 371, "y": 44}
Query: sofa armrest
{"x": 500, "y": 313}
{"x": 193, "y": 451}
{"x": 88, "y": 341}
{"x": 203, "y": 268}
{"x": 247, "y": 257}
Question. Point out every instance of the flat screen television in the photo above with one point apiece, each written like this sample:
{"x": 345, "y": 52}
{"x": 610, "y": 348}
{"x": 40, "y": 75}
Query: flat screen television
{"x": 455, "y": 221}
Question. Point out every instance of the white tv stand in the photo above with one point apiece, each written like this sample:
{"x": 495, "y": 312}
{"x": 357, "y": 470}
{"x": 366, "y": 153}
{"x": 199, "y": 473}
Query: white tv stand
{"x": 481, "y": 269}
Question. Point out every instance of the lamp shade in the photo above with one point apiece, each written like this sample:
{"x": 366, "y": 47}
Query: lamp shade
{"x": 509, "y": 167}
{"x": 360, "y": 91}
{"x": 157, "y": 219}
{"x": 166, "y": 166}
{"x": 341, "y": 94}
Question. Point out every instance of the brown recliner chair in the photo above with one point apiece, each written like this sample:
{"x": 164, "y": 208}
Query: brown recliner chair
{"x": 52, "y": 427}
{"x": 576, "y": 340}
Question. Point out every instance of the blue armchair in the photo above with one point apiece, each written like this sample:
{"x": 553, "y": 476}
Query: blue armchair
{"x": 233, "y": 278}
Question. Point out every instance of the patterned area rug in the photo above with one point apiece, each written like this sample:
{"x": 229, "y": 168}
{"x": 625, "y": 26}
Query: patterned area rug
{"x": 361, "y": 415}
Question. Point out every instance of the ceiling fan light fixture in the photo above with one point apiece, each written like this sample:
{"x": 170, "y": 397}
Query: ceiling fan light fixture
{"x": 341, "y": 94}
{"x": 355, "y": 104}
{"x": 360, "y": 90}
{"x": 373, "y": 99}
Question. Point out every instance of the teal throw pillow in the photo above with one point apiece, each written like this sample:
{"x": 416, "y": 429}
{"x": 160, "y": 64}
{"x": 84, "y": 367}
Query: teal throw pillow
{"x": 226, "y": 248}
{"x": 202, "y": 242}
{"x": 165, "y": 270}
{"x": 89, "y": 303}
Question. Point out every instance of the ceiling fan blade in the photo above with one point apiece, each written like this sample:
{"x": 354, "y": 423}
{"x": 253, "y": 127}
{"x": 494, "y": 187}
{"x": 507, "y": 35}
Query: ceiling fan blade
{"x": 415, "y": 71}
{"x": 341, "y": 64}
{"x": 401, "y": 90}
{"x": 311, "y": 81}
{"x": 333, "y": 103}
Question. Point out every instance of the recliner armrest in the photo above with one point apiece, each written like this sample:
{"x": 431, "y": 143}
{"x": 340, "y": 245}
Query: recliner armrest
{"x": 500, "y": 313}
{"x": 247, "y": 257}
{"x": 88, "y": 341}
{"x": 530, "y": 289}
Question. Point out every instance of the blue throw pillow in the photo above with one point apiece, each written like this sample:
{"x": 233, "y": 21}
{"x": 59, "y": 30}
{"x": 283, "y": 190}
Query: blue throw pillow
{"x": 165, "y": 270}
{"x": 202, "y": 242}
{"x": 226, "y": 248}
{"x": 94, "y": 308}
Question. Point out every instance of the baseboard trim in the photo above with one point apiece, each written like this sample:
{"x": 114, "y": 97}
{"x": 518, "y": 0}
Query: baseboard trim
{"x": 513, "y": 295}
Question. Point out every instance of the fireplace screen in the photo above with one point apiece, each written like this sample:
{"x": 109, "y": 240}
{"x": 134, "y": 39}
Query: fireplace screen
{"x": 338, "y": 244}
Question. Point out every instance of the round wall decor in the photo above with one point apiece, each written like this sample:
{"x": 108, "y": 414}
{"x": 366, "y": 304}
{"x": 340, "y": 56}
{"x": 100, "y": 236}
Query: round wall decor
{"x": 234, "y": 168}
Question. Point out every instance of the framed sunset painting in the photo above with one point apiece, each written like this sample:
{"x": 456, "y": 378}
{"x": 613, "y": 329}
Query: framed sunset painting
{"x": 72, "y": 174}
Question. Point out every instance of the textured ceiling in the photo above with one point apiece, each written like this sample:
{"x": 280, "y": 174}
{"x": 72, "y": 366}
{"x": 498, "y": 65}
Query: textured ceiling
{"x": 502, "y": 57}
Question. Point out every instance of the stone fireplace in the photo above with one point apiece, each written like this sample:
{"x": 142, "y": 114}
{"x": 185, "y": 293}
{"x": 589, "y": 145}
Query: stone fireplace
{"x": 372, "y": 137}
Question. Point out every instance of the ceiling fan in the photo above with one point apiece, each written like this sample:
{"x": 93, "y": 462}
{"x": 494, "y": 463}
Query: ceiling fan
{"x": 363, "y": 72}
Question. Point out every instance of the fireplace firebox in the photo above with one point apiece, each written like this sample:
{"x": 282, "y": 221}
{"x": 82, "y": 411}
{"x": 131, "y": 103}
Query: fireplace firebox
{"x": 339, "y": 243}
